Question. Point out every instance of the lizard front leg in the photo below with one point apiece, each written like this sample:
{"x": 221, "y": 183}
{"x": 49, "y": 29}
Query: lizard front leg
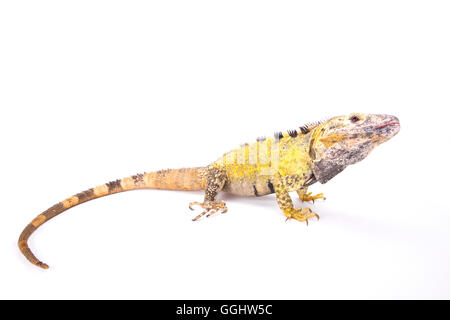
{"x": 216, "y": 179}
{"x": 285, "y": 203}
{"x": 308, "y": 196}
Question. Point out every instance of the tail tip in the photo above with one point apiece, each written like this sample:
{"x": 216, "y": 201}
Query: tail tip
{"x": 42, "y": 265}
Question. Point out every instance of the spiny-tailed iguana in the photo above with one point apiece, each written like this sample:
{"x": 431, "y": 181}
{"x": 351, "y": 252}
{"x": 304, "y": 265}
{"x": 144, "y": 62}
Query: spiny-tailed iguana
{"x": 284, "y": 163}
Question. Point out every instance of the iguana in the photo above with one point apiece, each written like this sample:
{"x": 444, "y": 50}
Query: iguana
{"x": 284, "y": 163}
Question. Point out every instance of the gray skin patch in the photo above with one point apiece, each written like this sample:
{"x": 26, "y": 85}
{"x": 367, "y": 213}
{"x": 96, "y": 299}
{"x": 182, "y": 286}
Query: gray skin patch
{"x": 325, "y": 170}
{"x": 336, "y": 158}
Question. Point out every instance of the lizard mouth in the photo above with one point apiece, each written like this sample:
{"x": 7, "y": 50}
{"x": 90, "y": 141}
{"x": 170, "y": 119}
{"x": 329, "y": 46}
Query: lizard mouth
{"x": 390, "y": 123}
{"x": 389, "y": 128}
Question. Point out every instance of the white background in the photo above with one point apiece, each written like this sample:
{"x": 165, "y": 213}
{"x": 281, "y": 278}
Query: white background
{"x": 91, "y": 91}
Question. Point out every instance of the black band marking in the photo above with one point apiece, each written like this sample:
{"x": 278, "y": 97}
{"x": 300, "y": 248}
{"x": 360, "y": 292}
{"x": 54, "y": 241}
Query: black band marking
{"x": 255, "y": 191}
{"x": 270, "y": 185}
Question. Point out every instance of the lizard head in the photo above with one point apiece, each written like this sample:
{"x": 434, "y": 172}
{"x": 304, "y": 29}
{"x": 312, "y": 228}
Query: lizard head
{"x": 344, "y": 140}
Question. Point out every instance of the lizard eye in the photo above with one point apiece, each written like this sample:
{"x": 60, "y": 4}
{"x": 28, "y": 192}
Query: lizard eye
{"x": 354, "y": 118}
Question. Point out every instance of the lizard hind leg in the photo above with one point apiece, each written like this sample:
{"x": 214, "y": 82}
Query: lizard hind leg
{"x": 216, "y": 179}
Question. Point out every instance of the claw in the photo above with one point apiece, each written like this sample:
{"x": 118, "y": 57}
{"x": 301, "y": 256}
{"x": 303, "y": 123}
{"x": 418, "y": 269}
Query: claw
{"x": 308, "y": 197}
{"x": 210, "y": 208}
{"x": 199, "y": 216}
{"x": 211, "y": 212}
{"x": 300, "y": 214}
{"x": 195, "y": 203}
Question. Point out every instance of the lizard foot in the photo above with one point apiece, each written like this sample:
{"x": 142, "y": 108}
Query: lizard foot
{"x": 300, "y": 214}
{"x": 308, "y": 196}
{"x": 210, "y": 208}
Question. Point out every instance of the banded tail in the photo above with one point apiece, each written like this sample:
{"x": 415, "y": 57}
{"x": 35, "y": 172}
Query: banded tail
{"x": 171, "y": 179}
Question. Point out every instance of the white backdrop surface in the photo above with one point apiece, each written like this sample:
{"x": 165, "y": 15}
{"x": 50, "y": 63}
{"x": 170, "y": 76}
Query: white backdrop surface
{"x": 91, "y": 91}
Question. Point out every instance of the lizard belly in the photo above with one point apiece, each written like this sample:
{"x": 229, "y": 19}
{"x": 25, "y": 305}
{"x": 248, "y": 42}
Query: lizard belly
{"x": 246, "y": 188}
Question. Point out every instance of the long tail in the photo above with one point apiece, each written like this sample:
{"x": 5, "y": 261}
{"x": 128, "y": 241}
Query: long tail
{"x": 171, "y": 179}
